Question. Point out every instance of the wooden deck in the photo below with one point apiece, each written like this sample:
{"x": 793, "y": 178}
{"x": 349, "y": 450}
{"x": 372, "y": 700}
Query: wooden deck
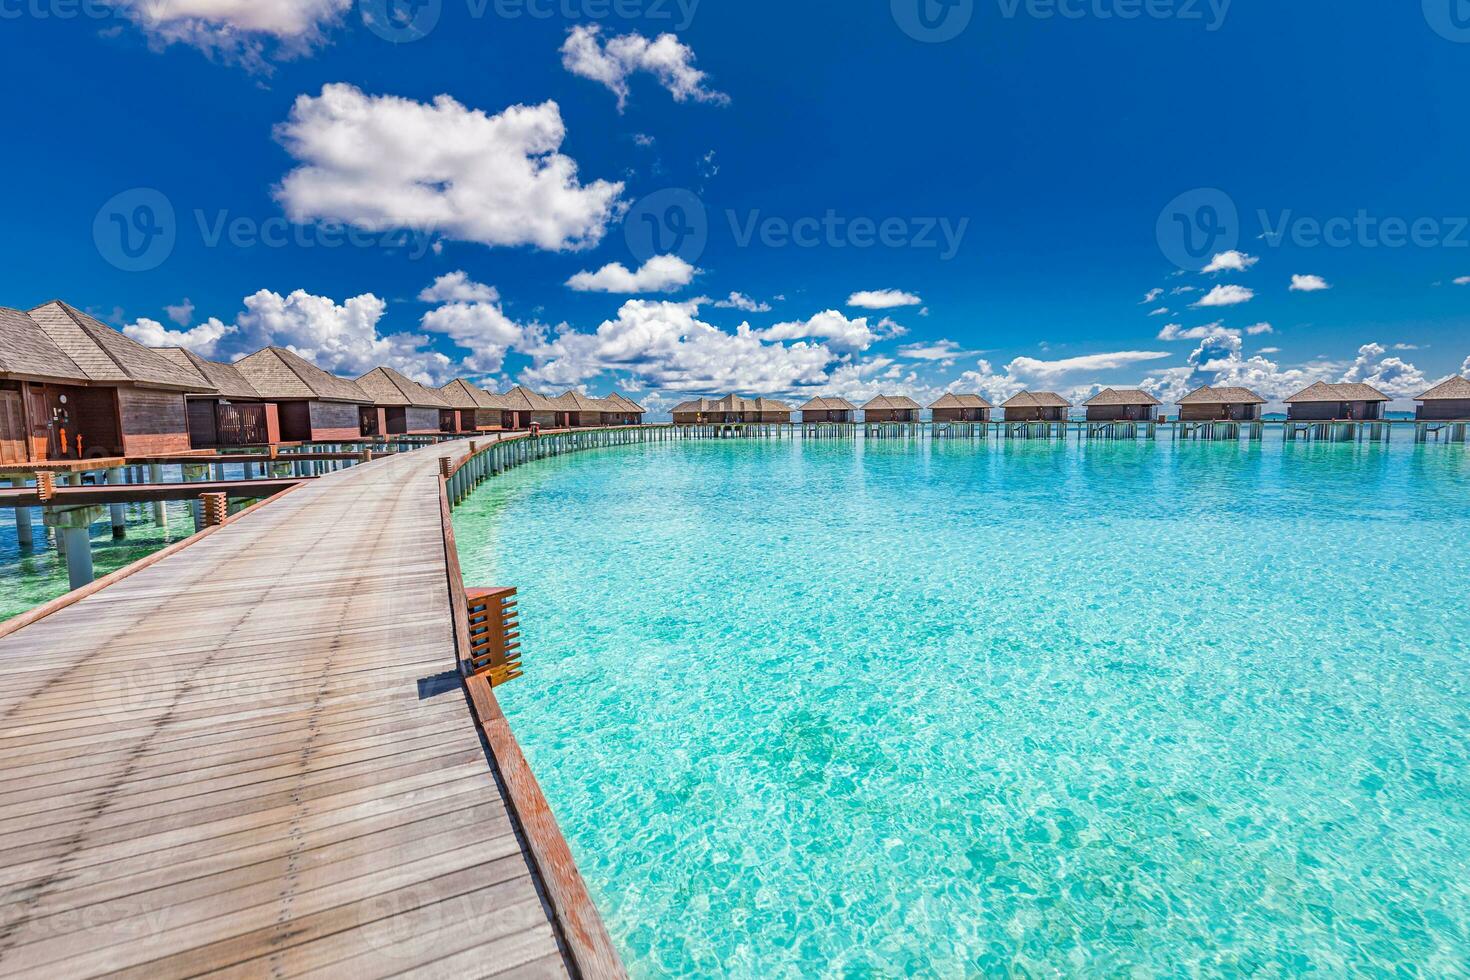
{"x": 255, "y": 757}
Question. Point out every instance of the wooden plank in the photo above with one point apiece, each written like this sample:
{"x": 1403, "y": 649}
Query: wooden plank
{"x": 242, "y": 755}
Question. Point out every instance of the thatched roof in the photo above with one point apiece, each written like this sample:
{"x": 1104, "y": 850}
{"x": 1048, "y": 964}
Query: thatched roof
{"x": 1125, "y": 396}
{"x": 26, "y": 350}
{"x": 731, "y": 404}
{"x": 521, "y": 399}
{"x": 1222, "y": 396}
{"x": 225, "y": 378}
{"x": 1036, "y": 399}
{"x": 1454, "y": 389}
{"x": 573, "y": 400}
{"x": 1346, "y": 392}
{"x": 459, "y": 393}
{"x": 829, "y": 405}
{"x": 626, "y": 404}
{"x": 105, "y": 355}
{"x": 951, "y": 400}
{"x": 282, "y": 375}
{"x": 896, "y": 403}
{"x": 390, "y": 389}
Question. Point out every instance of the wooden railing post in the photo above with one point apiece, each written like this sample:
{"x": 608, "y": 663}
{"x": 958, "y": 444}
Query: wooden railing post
{"x": 494, "y": 631}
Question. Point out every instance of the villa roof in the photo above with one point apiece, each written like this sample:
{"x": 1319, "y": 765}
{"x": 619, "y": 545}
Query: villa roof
{"x": 25, "y": 349}
{"x": 283, "y": 375}
{"x": 1222, "y": 396}
{"x": 1452, "y": 389}
{"x": 732, "y": 403}
{"x": 522, "y": 399}
{"x": 1124, "y": 396}
{"x": 1036, "y": 399}
{"x": 951, "y": 400}
{"x": 1346, "y": 392}
{"x": 390, "y": 389}
{"x": 891, "y": 403}
{"x": 225, "y": 378}
{"x": 820, "y": 404}
{"x": 626, "y": 404}
{"x": 459, "y": 393}
{"x": 573, "y": 400}
{"x": 105, "y": 355}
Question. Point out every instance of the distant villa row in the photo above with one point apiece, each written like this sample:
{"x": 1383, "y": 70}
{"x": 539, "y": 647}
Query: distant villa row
{"x": 72, "y": 387}
{"x": 1321, "y": 402}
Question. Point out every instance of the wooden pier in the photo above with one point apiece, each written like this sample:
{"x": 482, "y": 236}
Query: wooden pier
{"x": 256, "y": 756}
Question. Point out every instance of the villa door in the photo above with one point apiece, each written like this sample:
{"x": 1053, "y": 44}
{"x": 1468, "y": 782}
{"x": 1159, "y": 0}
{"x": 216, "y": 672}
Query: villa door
{"x": 12, "y": 428}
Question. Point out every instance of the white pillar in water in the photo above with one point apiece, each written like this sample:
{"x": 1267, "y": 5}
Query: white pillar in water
{"x": 24, "y": 535}
{"x": 78, "y": 555}
{"x": 160, "y": 508}
{"x": 119, "y": 513}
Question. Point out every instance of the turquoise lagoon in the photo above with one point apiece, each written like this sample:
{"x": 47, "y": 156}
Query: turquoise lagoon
{"x": 945, "y": 709}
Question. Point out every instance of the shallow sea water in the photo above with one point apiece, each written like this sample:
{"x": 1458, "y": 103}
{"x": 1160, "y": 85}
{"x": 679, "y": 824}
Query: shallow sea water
{"x": 852, "y": 709}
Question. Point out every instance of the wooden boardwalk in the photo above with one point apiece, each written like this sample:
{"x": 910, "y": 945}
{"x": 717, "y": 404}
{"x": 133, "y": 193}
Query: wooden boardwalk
{"x": 255, "y": 757}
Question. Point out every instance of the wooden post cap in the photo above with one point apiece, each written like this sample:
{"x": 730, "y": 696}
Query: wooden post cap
{"x": 216, "y": 508}
{"x": 45, "y": 484}
{"x": 444, "y": 467}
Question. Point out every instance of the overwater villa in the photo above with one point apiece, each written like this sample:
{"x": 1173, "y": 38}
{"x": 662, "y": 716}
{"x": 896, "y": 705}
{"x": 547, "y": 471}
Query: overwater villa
{"x": 625, "y": 410}
{"x": 1206, "y": 404}
{"x": 471, "y": 408}
{"x": 838, "y": 411}
{"x": 1036, "y": 406}
{"x": 521, "y": 408}
{"x": 891, "y": 408}
{"x": 731, "y": 410}
{"x": 401, "y": 406}
{"x": 1348, "y": 402}
{"x": 234, "y": 414}
{"x": 72, "y": 387}
{"x": 1448, "y": 401}
{"x": 1122, "y": 405}
{"x": 960, "y": 408}
{"x": 313, "y": 406}
{"x": 579, "y": 411}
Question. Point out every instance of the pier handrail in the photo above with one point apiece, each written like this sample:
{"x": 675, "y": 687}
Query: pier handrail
{"x": 588, "y": 943}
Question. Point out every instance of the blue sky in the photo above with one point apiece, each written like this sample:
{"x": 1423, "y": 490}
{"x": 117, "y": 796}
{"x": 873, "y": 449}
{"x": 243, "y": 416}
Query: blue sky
{"x": 897, "y": 209}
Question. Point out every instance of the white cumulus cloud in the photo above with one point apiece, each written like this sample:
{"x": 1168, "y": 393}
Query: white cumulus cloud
{"x": 1151, "y": 296}
{"x": 236, "y": 31}
{"x": 671, "y": 62}
{"x": 660, "y": 274}
{"x": 740, "y": 301}
{"x": 381, "y": 163}
{"x": 1393, "y": 376}
{"x": 840, "y": 332}
{"x": 203, "y": 340}
{"x": 1308, "y": 284}
{"x": 1226, "y": 296}
{"x": 458, "y": 287}
{"x": 1231, "y": 261}
{"x": 882, "y": 299}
